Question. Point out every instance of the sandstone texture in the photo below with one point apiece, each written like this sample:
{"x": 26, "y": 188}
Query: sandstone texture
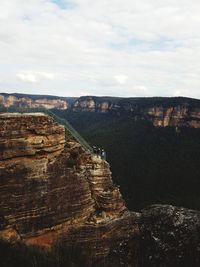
{"x": 13, "y": 101}
{"x": 54, "y": 191}
{"x": 174, "y": 112}
{"x": 175, "y": 115}
{"x": 178, "y": 116}
{"x": 89, "y": 104}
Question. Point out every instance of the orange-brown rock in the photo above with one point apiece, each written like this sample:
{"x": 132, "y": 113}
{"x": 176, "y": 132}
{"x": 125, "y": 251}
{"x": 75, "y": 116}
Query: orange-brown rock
{"x": 53, "y": 190}
{"x": 174, "y": 116}
{"x": 162, "y": 112}
{"x": 8, "y": 101}
{"x": 86, "y": 104}
{"x": 177, "y": 113}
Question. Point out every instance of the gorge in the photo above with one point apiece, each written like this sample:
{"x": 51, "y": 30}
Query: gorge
{"x": 161, "y": 111}
{"x": 54, "y": 192}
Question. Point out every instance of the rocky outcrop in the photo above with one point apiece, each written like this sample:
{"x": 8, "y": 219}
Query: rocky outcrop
{"x": 8, "y": 101}
{"x": 53, "y": 190}
{"x": 55, "y": 193}
{"x": 177, "y": 116}
{"x": 170, "y": 237}
{"x": 89, "y": 104}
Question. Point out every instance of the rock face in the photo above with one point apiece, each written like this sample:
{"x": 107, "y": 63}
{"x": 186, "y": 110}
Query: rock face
{"x": 170, "y": 237}
{"x": 174, "y": 116}
{"x": 8, "y": 101}
{"x": 89, "y": 104}
{"x": 177, "y": 114}
{"x": 162, "y": 112}
{"x": 52, "y": 190}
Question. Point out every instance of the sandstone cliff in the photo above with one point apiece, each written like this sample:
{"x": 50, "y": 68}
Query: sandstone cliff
{"x": 162, "y": 112}
{"x": 52, "y": 190}
{"x": 8, "y": 101}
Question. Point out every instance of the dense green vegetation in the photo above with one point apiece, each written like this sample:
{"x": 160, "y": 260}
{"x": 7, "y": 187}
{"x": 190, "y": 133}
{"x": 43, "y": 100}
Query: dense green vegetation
{"x": 145, "y": 101}
{"x": 151, "y": 165}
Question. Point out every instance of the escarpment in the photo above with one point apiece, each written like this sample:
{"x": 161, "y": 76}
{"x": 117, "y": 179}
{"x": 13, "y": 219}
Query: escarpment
{"x": 8, "y": 101}
{"x": 177, "y": 116}
{"x": 52, "y": 190}
{"x": 161, "y": 111}
{"x": 54, "y": 193}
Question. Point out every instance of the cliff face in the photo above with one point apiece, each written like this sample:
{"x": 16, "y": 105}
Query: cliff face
{"x": 54, "y": 191}
{"x": 89, "y": 104}
{"x": 160, "y": 114}
{"x": 174, "y": 116}
{"x": 13, "y": 101}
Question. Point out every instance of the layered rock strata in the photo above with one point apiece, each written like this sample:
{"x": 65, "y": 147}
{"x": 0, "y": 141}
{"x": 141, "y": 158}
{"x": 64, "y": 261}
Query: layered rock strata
{"x": 13, "y": 101}
{"x": 161, "y": 115}
{"x": 162, "y": 112}
{"x": 52, "y": 190}
{"x": 178, "y": 116}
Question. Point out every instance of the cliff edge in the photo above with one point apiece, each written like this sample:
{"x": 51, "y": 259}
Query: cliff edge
{"x": 54, "y": 191}
{"x": 161, "y": 111}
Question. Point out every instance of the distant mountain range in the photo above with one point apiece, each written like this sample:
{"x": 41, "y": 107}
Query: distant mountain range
{"x": 161, "y": 111}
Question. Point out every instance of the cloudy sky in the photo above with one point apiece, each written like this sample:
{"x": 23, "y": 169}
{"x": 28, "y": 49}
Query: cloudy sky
{"x": 100, "y": 47}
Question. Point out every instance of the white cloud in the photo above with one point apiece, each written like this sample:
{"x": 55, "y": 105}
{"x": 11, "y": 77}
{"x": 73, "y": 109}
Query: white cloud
{"x": 141, "y": 88}
{"x": 27, "y": 77}
{"x": 121, "y": 79}
{"x": 126, "y": 48}
{"x": 35, "y": 77}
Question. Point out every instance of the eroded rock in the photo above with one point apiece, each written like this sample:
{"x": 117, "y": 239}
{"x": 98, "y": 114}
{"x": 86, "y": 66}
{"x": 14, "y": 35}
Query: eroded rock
{"x": 170, "y": 237}
{"x": 8, "y": 101}
{"x": 54, "y": 191}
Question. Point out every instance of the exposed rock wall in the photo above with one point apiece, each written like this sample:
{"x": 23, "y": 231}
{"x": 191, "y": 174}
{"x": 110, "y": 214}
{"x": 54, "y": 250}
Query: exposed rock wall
{"x": 13, "y": 101}
{"x": 174, "y": 116}
{"x": 176, "y": 113}
{"x": 54, "y": 191}
{"x": 89, "y": 104}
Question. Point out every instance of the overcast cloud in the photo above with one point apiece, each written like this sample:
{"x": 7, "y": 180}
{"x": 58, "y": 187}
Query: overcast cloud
{"x": 100, "y": 47}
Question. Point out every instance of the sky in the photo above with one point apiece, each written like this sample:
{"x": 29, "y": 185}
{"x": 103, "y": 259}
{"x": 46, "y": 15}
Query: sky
{"x": 125, "y": 48}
